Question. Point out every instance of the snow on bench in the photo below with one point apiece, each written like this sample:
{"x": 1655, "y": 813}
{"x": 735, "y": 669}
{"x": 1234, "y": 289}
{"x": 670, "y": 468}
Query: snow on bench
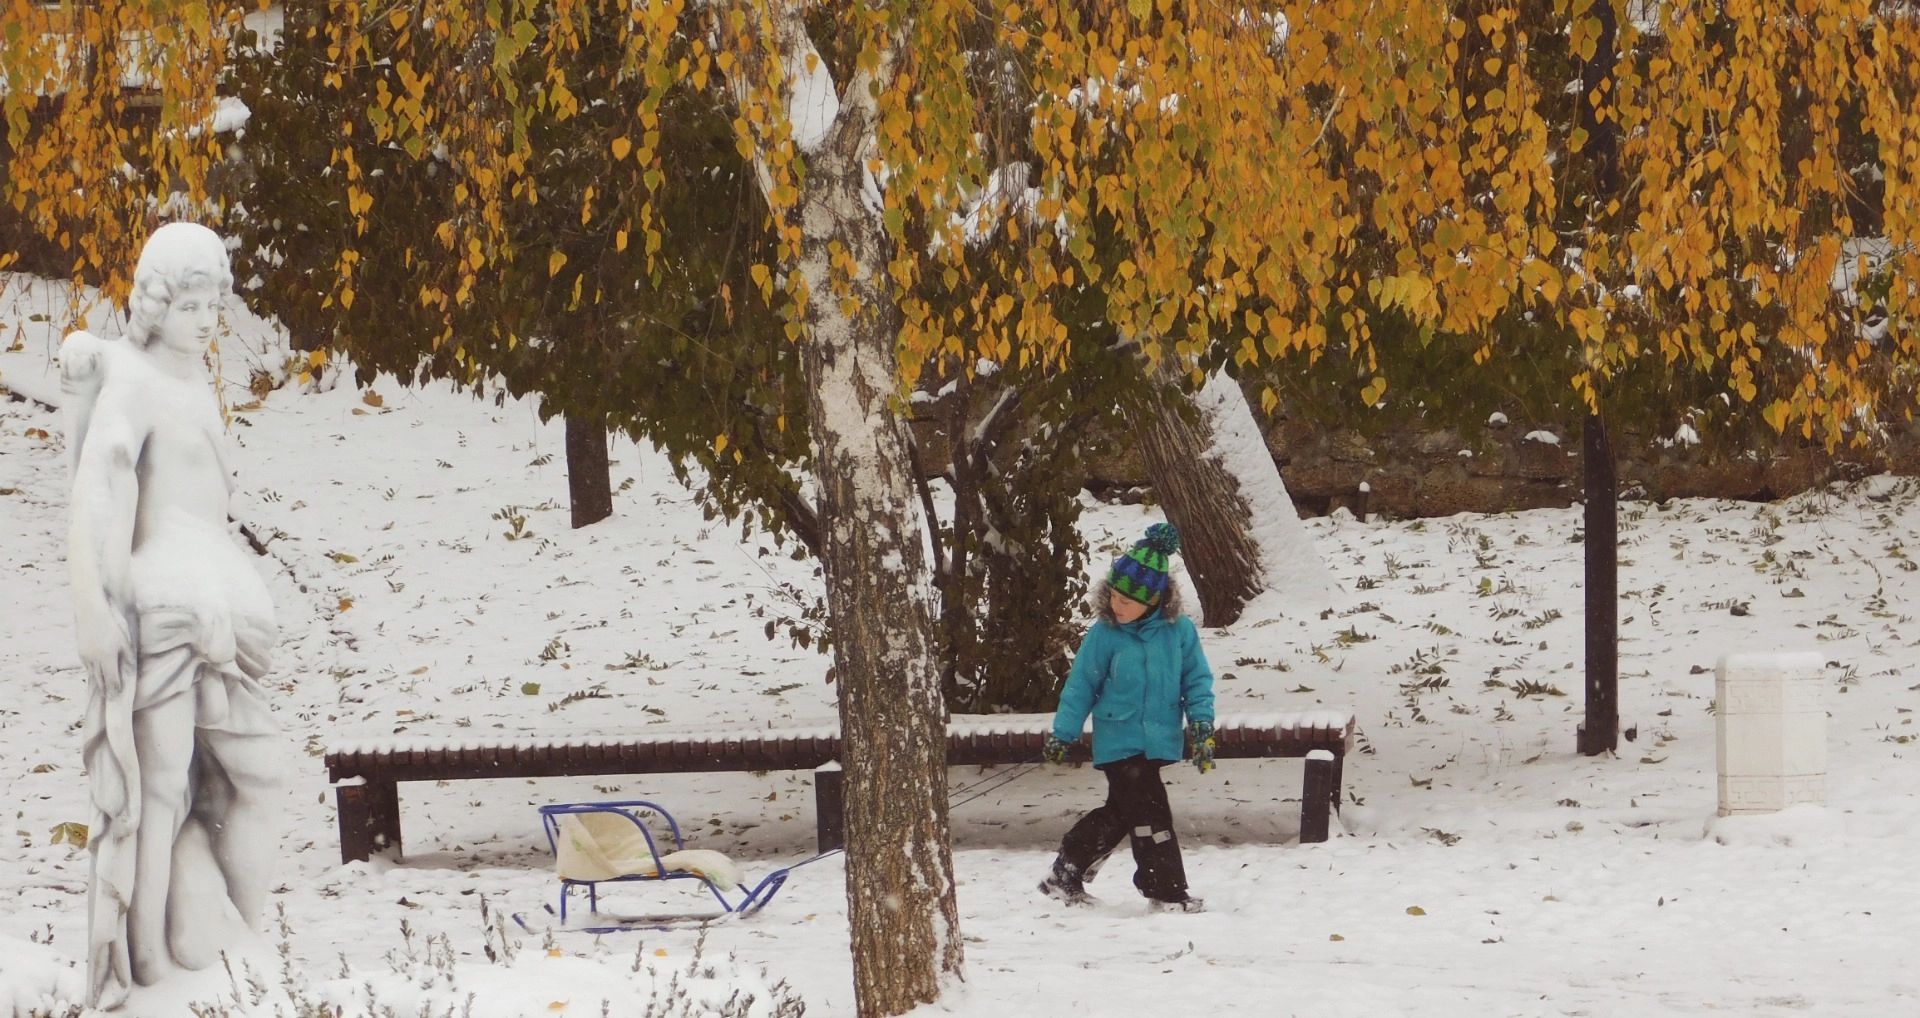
{"x": 366, "y": 771}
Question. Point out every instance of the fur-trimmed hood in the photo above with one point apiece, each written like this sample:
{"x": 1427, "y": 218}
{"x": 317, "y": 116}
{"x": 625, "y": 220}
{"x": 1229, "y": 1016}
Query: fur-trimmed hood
{"x": 1102, "y": 594}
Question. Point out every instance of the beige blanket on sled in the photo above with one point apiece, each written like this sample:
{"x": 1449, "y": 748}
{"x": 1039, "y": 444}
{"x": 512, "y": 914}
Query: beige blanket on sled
{"x": 602, "y": 846}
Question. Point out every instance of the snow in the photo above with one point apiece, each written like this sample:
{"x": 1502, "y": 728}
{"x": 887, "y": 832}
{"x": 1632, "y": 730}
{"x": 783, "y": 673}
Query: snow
{"x": 230, "y": 116}
{"x": 1005, "y": 195}
{"x": 1496, "y": 420}
{"x": 1772, "y": 663}
{"x": 1546, "y": 883}
{"x": 1543, "y": 437}
{"x": 34, "y": 977}
{"x": 268, "y": 24}
{"x": 1859, "y": 258}
{"x": 1296, "y": 579}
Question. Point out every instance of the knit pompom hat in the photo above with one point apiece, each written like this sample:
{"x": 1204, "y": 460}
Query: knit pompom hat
{"x": 1141, "y": 574}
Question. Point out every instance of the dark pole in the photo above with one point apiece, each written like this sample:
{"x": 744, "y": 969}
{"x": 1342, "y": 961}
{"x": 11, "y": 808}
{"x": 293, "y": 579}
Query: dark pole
{"x": 1599, "y": 732}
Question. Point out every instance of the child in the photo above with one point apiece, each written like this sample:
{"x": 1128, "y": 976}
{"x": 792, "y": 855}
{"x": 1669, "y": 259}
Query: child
{"x": 1138, "y": 670}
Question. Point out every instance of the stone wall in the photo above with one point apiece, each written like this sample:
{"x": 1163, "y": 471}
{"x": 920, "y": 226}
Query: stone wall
{"x": 1441, "y": 472}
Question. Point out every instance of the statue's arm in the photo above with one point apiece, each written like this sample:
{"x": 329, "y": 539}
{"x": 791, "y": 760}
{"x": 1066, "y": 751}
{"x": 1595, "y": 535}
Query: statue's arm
{"x": 100, "y": 544}
{"x": 83, "y": 370}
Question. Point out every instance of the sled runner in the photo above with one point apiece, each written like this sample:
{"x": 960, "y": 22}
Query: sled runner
{"x": 594, "y": 843}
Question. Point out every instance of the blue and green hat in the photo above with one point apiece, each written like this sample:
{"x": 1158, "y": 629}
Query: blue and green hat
{"x": 1141, "y": 574}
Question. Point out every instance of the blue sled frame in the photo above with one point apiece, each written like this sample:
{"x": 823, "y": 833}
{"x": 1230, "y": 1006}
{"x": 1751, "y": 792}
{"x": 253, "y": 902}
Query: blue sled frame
{"x": 743, "y": 902}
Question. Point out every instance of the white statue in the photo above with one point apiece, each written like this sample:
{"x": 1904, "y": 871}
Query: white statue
{"x": 175, "y": 628}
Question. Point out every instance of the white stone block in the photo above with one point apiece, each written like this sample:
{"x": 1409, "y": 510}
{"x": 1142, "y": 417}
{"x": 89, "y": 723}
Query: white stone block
{"x": 1771, "y": 731}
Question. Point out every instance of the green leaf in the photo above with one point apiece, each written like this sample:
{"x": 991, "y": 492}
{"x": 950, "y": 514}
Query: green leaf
{"x": 530, "y": 688}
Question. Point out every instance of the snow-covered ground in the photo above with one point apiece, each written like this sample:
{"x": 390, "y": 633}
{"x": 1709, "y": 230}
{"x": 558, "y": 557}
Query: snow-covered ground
{"x": 1484, "y": 867}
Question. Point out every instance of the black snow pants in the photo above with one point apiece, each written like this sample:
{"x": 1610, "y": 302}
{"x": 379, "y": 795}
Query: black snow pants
{"x": 1136, "y": 809}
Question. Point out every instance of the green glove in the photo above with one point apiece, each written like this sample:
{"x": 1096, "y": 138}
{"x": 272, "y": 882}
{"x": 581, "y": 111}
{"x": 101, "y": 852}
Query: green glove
{"x": 1054, "y": 751}
{"x": 1200, "y": 733}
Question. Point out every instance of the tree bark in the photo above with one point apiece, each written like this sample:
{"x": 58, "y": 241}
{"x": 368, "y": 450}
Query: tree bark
{"x": 900, "y": 890}
{"x": 1203, "y": 500}
{"x": 589, "y": 473}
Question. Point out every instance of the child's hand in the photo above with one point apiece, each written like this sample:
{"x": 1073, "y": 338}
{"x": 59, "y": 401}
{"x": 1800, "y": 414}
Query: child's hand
{"x": 1200, "y": 733}
{"x": 1054, "y": 751}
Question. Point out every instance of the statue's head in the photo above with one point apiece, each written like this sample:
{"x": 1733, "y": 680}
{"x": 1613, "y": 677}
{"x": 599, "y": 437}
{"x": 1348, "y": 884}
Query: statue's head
{"x": 177, "y": 259}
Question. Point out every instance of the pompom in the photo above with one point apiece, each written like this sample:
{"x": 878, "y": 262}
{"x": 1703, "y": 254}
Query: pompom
{"x": 1163, "y": 538}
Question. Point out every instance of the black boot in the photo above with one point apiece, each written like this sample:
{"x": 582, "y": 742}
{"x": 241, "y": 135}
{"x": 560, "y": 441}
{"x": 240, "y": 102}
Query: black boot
{"x": 1063, "y": 883}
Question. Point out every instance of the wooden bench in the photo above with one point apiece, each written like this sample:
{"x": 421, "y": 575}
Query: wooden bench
{"x": 366, "y": 773}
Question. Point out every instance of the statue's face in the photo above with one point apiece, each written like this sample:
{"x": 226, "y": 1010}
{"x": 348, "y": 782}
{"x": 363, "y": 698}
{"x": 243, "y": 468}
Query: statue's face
{"x": 190, "y": 320}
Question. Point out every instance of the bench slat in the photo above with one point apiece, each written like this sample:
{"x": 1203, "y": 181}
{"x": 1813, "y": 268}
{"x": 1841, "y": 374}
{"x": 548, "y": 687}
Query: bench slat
{"x": 1009, "y": 739}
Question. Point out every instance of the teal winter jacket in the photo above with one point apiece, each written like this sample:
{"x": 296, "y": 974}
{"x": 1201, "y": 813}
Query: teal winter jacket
{"x": 1137, "y": 680}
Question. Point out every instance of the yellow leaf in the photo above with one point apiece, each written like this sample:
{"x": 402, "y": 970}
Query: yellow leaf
{"x": 1776, "y": 415}
{"x": 373, "y": 399}
{"x": 1336, "y": 937}
{"x": 72, "y": 832}
{"x": 620, "y": 241}
{"x": 554, "y": 262}
{"x": 719, "y": 444}
{"x": 1374, "y": 390}
{"x": 317, "y": 359}
{"x": 558, "y": 1005}
{"x": 1416, "y": 910}
{"x": 621, "y": 146}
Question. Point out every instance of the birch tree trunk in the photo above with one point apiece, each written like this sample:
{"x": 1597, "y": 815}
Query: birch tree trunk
{"x": 900, "y": 890}
{"x": 900, "y": 895}
{"x": 1239, "y": 531}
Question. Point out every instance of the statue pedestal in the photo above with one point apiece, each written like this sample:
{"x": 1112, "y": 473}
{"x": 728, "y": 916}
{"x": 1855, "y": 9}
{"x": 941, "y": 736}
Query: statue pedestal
{"x": 1771, "y": 732}
{"x": 244, "y": 981}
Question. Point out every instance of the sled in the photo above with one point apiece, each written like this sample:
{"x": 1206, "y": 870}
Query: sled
{"x": 596, "y": 843}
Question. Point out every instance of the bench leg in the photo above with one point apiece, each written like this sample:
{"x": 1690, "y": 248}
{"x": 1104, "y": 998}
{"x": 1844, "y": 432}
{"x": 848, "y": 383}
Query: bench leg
{"x": 829, "y": 804}
{"x": 1322, "y": 789}
{"x": 369, "y": 818}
